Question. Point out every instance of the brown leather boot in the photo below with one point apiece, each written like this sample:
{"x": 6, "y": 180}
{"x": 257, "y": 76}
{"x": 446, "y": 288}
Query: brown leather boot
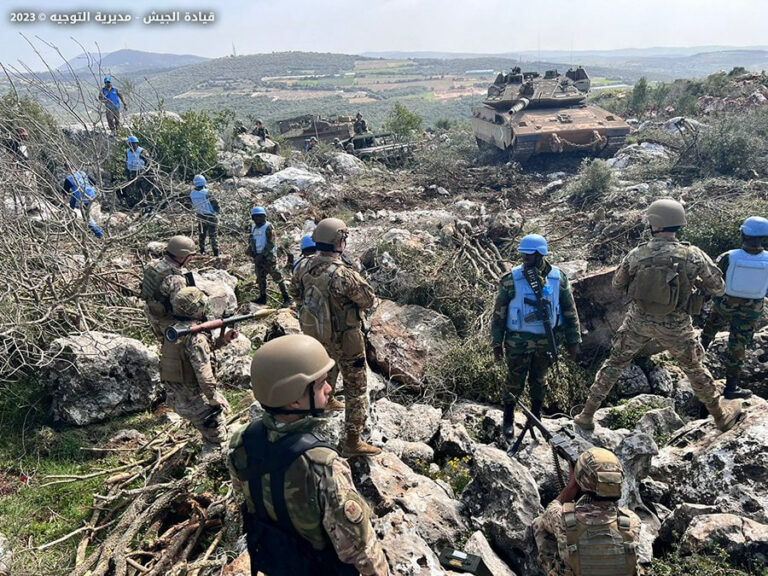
{"x": 334, "y": 405}
{"x": 584, "y": 418}
{"x": 725, "y": 413}
{"x": 353, "y": 446}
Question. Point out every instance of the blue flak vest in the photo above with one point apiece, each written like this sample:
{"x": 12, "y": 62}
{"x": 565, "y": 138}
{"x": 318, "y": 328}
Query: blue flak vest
{"x": 747, "y": 275}
{"x": 133, "y": 159}
{"x": 112, "y": 99}
{"x": 259, "y": 235}
{"x": 518, "y": 310}
{"x": 82, "y": 191}
{"x": 200, "y": 202}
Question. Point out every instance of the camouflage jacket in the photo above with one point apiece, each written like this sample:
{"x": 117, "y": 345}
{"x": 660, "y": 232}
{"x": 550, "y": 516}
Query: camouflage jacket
{"x": 699, "y": 268}
{"x": 570, "y": 326}
{"x": 191, "y": 360}
{"x": 298, "y": 271}
{"x": 553, "y": 524}
{"x": 323, "y": 504}
{"x": 348, "y": 289}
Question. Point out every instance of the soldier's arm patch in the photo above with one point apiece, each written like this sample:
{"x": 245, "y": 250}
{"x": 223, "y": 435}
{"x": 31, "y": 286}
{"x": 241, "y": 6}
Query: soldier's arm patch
{"x": 353, "y": 508}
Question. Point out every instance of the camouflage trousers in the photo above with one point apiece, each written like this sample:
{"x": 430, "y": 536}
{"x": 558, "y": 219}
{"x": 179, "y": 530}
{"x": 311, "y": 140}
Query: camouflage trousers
{"x": 208, "y": 226}
{"x": 740, "y": 316}
{"x": 527, "y": 360}
{"x": 674, "y": 333}
{"x": 350, "y": 361}
{"x": 188, "y": 402}
{"x": 268, "y": 266}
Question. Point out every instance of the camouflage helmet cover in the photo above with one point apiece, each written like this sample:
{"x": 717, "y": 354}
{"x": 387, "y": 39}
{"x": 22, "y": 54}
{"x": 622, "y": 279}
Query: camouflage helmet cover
{"x": 599, "y": 471}
{"x": 282, "y": 369}
{"x": 329, "y": 231}
{"x": 181, "y": 247}
{"x": 666, "y": 213}
{"x": 189, "y": 302}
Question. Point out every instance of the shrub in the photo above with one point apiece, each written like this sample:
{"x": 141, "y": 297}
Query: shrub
{"x": 630, "y": 416}
{"x": 403, "y": 122}
{"x": 594, "y": 181}
{"x": 731, "y": 146}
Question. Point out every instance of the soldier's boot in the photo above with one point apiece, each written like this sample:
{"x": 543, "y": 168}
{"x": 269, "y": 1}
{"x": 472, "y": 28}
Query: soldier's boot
{"x": 334, "y": 405}
{"x": 536, "y": 411}
{"x": 286, "y": 296}
{"x": 216, "y": 252}
{"x": 725, "y": 413}
{"x": 354, "y": 446}
{"x": 706, "y": 341}
{"x": 733, "y": 390}
{"x": 584, "y": 419}
{"x": 262, "y": 299}
{"x": 509, "y": 421}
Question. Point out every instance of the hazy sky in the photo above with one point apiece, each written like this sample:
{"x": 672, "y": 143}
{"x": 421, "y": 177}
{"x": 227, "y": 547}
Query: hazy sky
{"x": 355, "y": 26}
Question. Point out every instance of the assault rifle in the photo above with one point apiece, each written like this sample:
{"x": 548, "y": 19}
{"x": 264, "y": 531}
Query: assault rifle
{"x": 542, "y": 310}
{"x": 173, "y": 333}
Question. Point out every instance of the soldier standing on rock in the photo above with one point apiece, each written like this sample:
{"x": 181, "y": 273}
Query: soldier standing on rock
{"x": 590, "y": 535}
{"x": 162, "y": 278}
{"x": 207, "y": 209}
{"x": 263, "y": 249}
{"x": 187, "y": 370}
{"x": 360, "y": 126}
{"x": 332, "y": 296}
{"x": 746, "y": 285}
{"x": 518, "y": 332}
{"x": 659, "y": 277}
{"x": 302, "y": 513}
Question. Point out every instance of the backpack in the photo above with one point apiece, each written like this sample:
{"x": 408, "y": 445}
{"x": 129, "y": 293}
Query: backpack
{"x": 316, "y": 317}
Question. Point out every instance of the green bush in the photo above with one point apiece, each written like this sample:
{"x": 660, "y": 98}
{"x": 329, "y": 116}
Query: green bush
{"x": 403, "y": 122}
{"x": 630, "y": 416}
{"x": 732, "y": 146}
{"x": 594, "y": 181}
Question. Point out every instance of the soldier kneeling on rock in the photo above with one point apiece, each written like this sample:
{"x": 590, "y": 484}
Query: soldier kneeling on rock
{"x": 302, "y": 513}
{"x": 583, "y": 532}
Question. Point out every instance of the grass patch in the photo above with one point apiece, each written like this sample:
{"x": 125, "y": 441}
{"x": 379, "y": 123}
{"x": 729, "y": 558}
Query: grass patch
{"x": 630, "y": 415}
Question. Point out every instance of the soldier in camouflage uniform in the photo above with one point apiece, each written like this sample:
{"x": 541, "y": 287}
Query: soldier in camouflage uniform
{"x": 516, "y": 332}
{"x": 263, "y": 250}
{"x": 746, "y": 285}
{"x": 659, "y": 278}
{"x": 163, "y": 277}
{"x": 591, "y": 535}
{"x": 188, "y": 371}
{"x": 331, "y": 297}
{"x": 302, "y": 513}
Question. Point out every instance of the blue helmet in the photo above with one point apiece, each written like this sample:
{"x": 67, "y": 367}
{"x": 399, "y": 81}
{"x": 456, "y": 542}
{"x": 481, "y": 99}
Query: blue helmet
{"x": 755, "y": 226}
{"x": 107, "y": 79}
{"x": 258, "y": 210}
{"x": 533, "y": 243}
{"x": 133, "y": 139}
{"x": 199, "y": 180}
{"x": 307, "y": 242}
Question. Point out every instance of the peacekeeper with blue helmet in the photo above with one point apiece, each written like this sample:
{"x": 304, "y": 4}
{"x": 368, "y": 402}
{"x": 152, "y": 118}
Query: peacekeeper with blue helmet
{"x": 112, "y": 100}
{"x": 206, "y": 207}
{"x": 746, "y": 285}
{"x": 79, "y": 188}
{"x": 136, "y": 165}
{"x": 517, "y": 332}
{"x": 262, "y": 247}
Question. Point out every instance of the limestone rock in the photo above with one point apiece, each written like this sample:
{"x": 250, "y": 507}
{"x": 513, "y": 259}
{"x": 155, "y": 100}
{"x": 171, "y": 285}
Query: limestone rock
{"x": 659, "y": 423}
{"x": 95, "y": 376}
{"x": 347, "y": 164}
{"x": 406, "y": 551}
{"x": 235, "y": 164}
{"x": 290, "y": 179}
{"x": 481, "y": 421}
{"x": 745, "y": 540}
{"x": 417, "y": 423}
{"x": 6, "y": 556}
{"x": 479, "y": 546}
{"x": 681, "y": 517}
{"x": 234, "y": 360}
{"x": 403, "y": 339}
{"x": 502, "y": 500}
{"x": 453, "y": 441}
{"x": 633, "y": 382}
{"x": 219, "y": 285}
{"x": 264, "y": 163}
{"x": 413, "y": 454}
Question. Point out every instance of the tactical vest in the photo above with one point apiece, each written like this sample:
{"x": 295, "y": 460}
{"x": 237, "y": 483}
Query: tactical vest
{"x": 154, "y": 274}
{"x": 82, "y": 191}
{"x": 174, "y": 364}
{"x": 259, "y": 236}
{"x": 661, "y": 285}
{"x": 521, "y": 313}
{"x": 599, "y": 546}
{"x": 747, "y": 275}
{"x": 133, "y": 160}
{"x": 113, "y": 101}
{"x": 200, "y": 202}
{"x": 276, "y": 547}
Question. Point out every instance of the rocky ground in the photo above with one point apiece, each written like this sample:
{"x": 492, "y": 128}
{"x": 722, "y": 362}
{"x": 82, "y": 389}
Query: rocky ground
{"x": 433, "y": 239}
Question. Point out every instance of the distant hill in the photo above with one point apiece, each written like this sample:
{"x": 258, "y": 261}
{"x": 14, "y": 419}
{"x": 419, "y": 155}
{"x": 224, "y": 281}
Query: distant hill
{"x": 130, "y": 62}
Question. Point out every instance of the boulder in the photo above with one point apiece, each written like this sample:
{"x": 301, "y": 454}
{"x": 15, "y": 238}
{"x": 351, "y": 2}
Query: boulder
{"x": 502, "y": 500}
{"x": 6, "y": 556}
{"x": 264, "y": 163}
{"x": 681, "y": 517}
{"x": 347, "y": 164}
{"x": 234, "y": 359}
{"x": 479, "y": 546}
{"x": 481, "y": 421}
{"x": 453, "y": 441}
{"x": 659, "y": 423}
{"x": 289, "y": 179}
{"x": 632, "y": 382}
{"x": 95, "y": 376}
{"x": 640, "y": 403}
{"x": 504, "y": 226}
{"x": 253, "y": 145}
{"x": 287, "y": 204}
{"x": 745, "y": 540}
{"x": 282, "y": 323}
{"x": 417, "y": 423}
{"x": 219, "y": 285}
{"x": 642, "y": 153}
{"x": 723, "y": 469}
{"x": 403, "y": 340}
{"x": 414, "y": 454}
{"x": 406, "y": 551}
{"x": 391, "y": 485}
{"x": 234, "y": 164}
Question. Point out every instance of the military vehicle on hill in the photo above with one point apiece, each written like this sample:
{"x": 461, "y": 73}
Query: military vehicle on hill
{"x": 297, "y": 131}
{"x": 526, "y": 114}
{"x": 383, "y": 147}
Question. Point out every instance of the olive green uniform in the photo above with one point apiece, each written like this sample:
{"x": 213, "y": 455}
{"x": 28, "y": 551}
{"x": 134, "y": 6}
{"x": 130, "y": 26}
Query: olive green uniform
{"x": 527, "y": 354}
{"x": 266, "y": 263}
{"x": 684, "y": 265}
{"x": 323, "y": 505}
{"x": 347, "y": 293}
{"x": 162, "y": 277}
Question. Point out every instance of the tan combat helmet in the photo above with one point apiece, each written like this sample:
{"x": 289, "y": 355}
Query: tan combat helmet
{"x": 189, "y": 302}
{"x": 599, "y": 471}
{"x": 665, "y": 213}
{"x": 329, "y": 231}
{"x": 282, "y": 369}
{"x": 180, "y": 247}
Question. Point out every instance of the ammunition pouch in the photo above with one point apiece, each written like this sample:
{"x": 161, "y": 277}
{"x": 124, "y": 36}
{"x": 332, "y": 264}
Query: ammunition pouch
{"x": 695, "y": 303}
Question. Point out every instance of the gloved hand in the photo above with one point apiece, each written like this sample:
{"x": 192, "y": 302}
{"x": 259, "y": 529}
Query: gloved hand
{"x": 498, "y": 353}
{"x": 573, "y": 351}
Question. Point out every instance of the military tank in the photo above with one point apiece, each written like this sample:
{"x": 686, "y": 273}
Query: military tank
{"x": 526, "y": 114}
{"x": 297, "y": 131}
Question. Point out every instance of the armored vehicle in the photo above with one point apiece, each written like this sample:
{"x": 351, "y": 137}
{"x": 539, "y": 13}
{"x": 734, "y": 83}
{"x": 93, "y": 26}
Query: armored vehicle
{"x": 526, "y": 114}
{"x": 297, "y": 131}
{"x": 383, "y": 147}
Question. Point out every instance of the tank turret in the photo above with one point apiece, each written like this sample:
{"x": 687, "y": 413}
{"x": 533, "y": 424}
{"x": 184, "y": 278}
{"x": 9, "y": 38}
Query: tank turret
{"x": 551, "y": 90}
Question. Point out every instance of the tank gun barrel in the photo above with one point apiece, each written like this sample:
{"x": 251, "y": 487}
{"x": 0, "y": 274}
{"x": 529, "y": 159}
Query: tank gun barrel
{"x": 521, "y": 104}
